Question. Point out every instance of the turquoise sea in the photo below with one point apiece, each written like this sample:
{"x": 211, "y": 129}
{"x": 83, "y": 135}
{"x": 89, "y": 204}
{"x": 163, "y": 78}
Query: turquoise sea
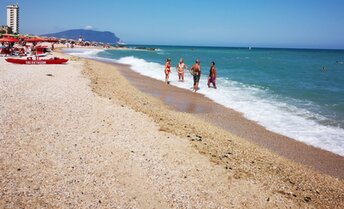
{"x": 295, "y": 92}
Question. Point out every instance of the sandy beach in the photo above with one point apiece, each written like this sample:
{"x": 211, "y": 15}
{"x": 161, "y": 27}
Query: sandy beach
{"x": 81, "y": 135}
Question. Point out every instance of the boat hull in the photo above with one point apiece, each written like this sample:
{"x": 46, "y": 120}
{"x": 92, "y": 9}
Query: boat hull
{"x": 52, "y": 61}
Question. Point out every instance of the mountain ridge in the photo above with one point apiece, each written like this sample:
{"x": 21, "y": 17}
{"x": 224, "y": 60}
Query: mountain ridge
{"x": 87, "y": 35}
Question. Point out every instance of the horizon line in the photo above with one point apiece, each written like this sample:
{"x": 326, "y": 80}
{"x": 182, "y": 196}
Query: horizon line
{"x": 242, "y": 47}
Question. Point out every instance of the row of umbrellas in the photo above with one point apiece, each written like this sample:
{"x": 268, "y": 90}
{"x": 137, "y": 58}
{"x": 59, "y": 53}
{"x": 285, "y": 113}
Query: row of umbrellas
{"x": 11, "y": 39}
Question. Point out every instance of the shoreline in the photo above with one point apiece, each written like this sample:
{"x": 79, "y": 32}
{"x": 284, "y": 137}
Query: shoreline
{"x": 182, "y": 100}
{"x": 298, "y": 119}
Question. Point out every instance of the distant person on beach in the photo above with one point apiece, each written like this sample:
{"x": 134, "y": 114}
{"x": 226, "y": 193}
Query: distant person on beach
{"x": 212, "y": 75}
{"x": 195, "y": 71}
{"x": 27, "y": 50}
{"x": 167, "y": 70}
{"x": 33, "y": 50}
{"x": 180, "y": 68}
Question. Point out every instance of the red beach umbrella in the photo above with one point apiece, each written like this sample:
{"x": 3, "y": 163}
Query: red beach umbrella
{"x": 34, "y": 40}
{"x": 12, "y": 40}
{"x": 7, "y": 35}
{"x": 52, "y": 40}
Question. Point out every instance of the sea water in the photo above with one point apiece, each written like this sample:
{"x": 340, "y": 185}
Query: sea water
{"x": 298, "y": 93}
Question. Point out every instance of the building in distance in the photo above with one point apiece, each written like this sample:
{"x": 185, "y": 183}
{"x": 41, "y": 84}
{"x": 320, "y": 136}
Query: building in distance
{"x": 13, "y": 17}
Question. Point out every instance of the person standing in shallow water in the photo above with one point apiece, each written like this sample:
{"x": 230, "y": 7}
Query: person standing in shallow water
{"x": 180, "y": 69}
{"x": 195, "y": 71}
{"x": 212, "y": 75}
{"x": 167, "y": 70}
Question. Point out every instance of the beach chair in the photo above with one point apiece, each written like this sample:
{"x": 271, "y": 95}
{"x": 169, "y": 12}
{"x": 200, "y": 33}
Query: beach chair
{"x": 22, "y": 53}
{"x": 5, "y": 52}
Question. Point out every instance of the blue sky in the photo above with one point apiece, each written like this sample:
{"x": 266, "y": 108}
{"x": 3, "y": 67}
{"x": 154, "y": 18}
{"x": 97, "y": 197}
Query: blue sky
{"x": 267, "y": 23}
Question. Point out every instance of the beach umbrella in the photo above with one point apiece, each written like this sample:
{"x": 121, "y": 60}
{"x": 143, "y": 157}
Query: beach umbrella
{"x": 11, "y": 40}
{"x": 6, "y": 35}
{"x": 22, "y": 37}
{"x": 52, "y": 40}
{"x": 34, "y": 40}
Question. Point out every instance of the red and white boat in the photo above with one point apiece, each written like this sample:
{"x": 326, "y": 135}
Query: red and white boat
{"x": 30, "y": 61}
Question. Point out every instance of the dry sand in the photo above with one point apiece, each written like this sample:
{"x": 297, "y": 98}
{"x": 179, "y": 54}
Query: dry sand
{"x": 64, "y": 146}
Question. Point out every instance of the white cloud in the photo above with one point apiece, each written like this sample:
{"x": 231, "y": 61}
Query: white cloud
{"x": 88, "y": 27}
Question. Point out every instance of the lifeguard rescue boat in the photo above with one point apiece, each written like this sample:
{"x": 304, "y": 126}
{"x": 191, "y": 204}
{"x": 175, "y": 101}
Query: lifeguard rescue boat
{"x": 37, "y": 61}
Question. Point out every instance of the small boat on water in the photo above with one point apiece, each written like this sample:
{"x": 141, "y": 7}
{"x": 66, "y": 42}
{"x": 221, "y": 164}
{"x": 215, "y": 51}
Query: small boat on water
{"x": 37, "y": 61}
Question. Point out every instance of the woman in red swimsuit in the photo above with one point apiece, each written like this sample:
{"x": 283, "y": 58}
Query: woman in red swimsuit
{"x": 167, "y": 70}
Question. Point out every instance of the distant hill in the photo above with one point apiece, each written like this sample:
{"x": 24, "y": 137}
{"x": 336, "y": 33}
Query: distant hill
{"x": 87, "y": 35}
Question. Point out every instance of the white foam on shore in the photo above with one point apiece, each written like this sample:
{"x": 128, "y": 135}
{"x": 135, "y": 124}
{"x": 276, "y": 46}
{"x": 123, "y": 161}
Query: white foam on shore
{"x": 256, "y": 104}
{"x": 87, "y": 53}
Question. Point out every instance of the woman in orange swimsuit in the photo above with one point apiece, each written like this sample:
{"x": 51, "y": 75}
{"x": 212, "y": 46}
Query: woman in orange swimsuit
{"x": 167, "y": 70}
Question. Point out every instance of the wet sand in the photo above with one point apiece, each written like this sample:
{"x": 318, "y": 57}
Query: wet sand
{"x": 186, "y": 101}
